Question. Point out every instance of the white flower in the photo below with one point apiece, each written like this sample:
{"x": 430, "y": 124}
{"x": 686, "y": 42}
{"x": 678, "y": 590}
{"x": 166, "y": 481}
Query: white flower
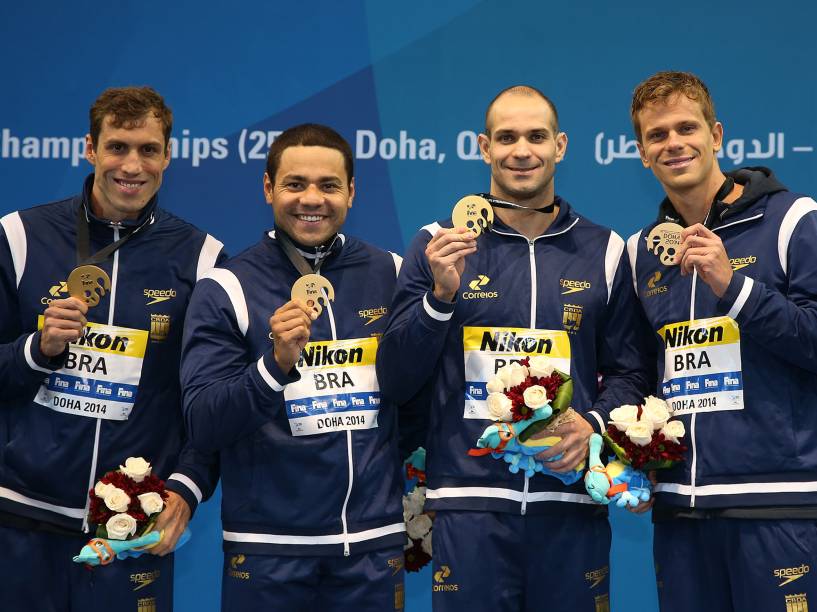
{"x": 535, "y": 397}
{"x": 541, "y": 366}
{"x": 655, "y": 411}
{"x": 413, "y": 502}
{"x": 426, "y": 544}
{"x": 624, "y": 416}
{"x": 512, "y": 374}
{"x": 673, "y": 431}
{"x": 102, "y": 489}
{"x": 495, "y": 385}
{"x": 499, "y": 405}
{"x": 116, "y": 499}
{"x": 135, "y": 467}
{"x": 120, "y": 526}
{"x": 418, "y": 527}
{"x": 640, "y": 433}
{"x": 151, "y": 502}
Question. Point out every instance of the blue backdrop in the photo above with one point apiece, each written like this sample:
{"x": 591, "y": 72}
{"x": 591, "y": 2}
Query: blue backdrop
{"x": 407, "y": 84}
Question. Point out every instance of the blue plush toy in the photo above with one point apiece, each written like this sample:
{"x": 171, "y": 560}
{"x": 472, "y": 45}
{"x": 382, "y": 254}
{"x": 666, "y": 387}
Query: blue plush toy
{"x": 616, "y": 482}
{"x": 100, "y": 551}
{"x": 502, "y": 440}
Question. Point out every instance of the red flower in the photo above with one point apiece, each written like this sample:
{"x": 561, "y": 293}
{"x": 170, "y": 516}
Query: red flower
{"x": 659, "y": 449}
{"x": 519, "y": 410}
{"x": 416, "y": 557}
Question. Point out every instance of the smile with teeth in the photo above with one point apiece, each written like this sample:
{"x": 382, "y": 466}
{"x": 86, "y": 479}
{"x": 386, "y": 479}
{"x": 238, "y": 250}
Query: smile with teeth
{"x": 129, "y": 185}
{"x": 678, "y": 162}
{"x": 310, "y": 218}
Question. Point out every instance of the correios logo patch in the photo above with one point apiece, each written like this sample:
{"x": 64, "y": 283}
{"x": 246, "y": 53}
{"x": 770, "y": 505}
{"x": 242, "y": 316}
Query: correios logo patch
{"x": 440, "y": 580}
{"x": 373, "y": 314}
{"x": 573, "y": 286}
{"x": 653, "y": 288}
{"x": 739, "y": 263}
{"x": 477, "y": 289}
{"x": 235, "y": 565}
{"x": 55, "y": 292}
{"x": 790, "y": 574}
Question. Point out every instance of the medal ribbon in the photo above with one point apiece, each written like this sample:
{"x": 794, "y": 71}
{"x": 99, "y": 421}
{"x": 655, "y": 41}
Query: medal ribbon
{"x": 494, "y": 201}
{"x": 84, "y": 240}
{"x": 295, "y": 257}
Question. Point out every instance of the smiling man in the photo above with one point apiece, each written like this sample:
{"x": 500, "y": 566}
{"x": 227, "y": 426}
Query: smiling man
{"x": 731, "y": 254}
{"x": 285, "y": 389}
{"x": 74, "y": 409}
{"x": 541, "y": 271}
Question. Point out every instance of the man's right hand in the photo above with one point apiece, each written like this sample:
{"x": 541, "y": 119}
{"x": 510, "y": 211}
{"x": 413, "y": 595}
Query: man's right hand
{"x": 64, "y": 322}
{"x": 291, "y": 325}
{"x": 446, "y": 254}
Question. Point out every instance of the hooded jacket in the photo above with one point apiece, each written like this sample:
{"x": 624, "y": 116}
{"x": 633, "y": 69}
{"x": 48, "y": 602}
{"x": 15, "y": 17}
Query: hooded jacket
{"x": 54, "y": 446}
{"x": 743, "y": 379}
{"x": 304, "y": 472}
{"x": 572, "y": 280}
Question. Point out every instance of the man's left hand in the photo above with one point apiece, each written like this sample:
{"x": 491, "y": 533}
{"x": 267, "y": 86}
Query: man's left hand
{"x": 573, "y": 445}
{"x": 701, "y": 249}
{"x": 173, "y": 520}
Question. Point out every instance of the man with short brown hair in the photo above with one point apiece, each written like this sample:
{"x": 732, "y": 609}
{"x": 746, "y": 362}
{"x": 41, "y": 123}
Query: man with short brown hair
{"x": 74, "y": 406}
{"x": 726, "y": 278}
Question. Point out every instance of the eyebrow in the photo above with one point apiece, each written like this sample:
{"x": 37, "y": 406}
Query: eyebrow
{"x": 304, "y": 179}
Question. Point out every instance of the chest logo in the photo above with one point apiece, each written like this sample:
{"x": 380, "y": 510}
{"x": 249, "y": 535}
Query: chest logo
{"x": 572, "y": 318}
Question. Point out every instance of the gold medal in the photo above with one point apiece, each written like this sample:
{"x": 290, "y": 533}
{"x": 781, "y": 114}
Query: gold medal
{"x": 313, "y": 289}
{"x": 663, "y": 242}
{"x": 89, "y": 284}
{"x": 474, "y": 213}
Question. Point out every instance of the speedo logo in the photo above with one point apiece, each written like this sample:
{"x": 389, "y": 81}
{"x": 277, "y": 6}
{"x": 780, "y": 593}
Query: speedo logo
{"x": 742, "y": 262}
{"x": 103, "y": 341}
{"x": 144, "y": 579}
{"x": 683, "y": 336}
{"x": 572, "y": 286}
{"x": 790, "y": 574}
{"x": 596, "y": 577}
{"x": 373, "y": 314}
{"x": 321, "y": 355}
{"x": 512, "y": 343}
{"x": 158, "y": 295}
{"x": 477, "y": 292}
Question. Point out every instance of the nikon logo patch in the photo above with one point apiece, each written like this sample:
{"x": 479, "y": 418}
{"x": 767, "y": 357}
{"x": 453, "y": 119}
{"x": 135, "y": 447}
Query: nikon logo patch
{"x": 477, "y": 289}
{"x": 790, "y": 574}
{"x": 440, "y": 580}
{"x": 158, "y": 295}
{"x": 682, "y": 335}
{"x": 742, "y": 262}
{"x": 373, "y": 314}
{"x": 159, "y": 327}
{"x": 512, "y": 343}
{"x": 595, "y": 577}
{"x": 234, "y": 571}
{"x": 143, "y": 579}
{"x": 103, "y": 341}
{"x": 572, "y": 286}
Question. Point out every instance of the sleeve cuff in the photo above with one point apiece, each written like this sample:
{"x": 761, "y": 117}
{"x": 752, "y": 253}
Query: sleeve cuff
{"x": 596, "y": 422}
{"x": 272, "y": 375}
{"x": 437, "y": 309}
{"x": 187, "y": 488}
{"x": 37, "y": 360}
{"x": 736, "y": 295}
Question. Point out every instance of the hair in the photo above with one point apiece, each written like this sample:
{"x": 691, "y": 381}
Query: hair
{"x": 660, "y": 87}
{"x": 310, "y": 135}
{"x": 522, "y": 90}
{"x": 127, "y": 107}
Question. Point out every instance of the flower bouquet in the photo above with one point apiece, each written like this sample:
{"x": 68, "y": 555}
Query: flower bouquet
{"x": 124, "y": 505}
{"x": 417, "y": 551}
{"x": 524, "y": 399}
{"x": 643, "y": 438}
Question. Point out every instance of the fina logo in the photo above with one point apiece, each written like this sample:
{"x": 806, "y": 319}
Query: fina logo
{"x": 477, "y": 292}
